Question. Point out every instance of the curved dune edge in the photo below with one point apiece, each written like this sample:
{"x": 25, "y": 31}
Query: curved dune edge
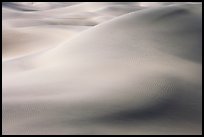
{"x": 136, "y": 74}
{"x": 27, "y": 26}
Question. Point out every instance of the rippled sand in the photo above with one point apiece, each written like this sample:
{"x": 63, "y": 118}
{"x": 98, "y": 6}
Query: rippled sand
{"x": 102, "y": 68}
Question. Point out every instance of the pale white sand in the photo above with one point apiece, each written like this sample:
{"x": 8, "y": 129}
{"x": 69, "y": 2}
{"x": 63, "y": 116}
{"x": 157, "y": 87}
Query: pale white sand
{"x": 96, "y": 68}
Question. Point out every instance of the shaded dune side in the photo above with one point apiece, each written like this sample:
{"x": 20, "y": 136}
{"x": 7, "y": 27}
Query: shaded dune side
{"x": 22, "y": 42}
{"x": 135, "y": 67}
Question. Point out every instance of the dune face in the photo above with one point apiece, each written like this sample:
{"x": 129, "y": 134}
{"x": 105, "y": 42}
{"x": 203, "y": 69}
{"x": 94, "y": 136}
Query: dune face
{"x": 102, "y": 68}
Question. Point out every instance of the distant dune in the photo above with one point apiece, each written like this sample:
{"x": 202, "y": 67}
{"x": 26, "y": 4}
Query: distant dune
{"x": 111, "y": 70}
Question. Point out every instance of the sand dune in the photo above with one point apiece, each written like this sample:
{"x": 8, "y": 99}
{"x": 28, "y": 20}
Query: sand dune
{"x": 24, "y": 22}
{"x": 35, "y": 6}
{"x": 138, "y": 72}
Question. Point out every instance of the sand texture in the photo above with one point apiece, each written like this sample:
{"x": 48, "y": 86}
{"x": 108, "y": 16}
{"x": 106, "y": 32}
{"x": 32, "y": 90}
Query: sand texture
{"x": 102, "y": 68}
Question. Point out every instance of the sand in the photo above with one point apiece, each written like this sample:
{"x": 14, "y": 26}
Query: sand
{"x": 102, "y": 68}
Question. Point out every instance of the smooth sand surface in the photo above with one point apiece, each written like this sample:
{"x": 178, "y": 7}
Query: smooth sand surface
{"x": 102, "y": 68}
